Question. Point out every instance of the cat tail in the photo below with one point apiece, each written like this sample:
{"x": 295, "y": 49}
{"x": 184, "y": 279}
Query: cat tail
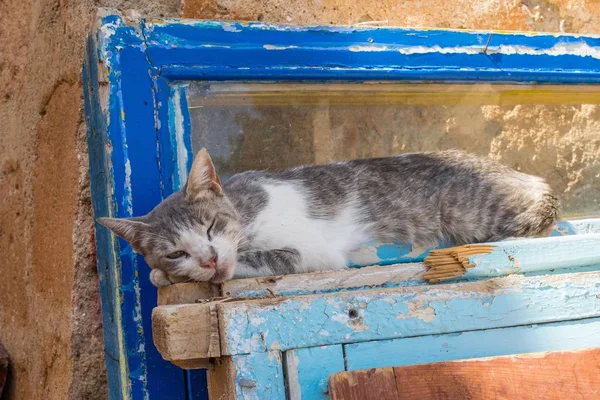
{"x": 539, "y": 219}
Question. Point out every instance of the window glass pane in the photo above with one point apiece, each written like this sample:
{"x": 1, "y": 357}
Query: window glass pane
{"x": 550, "y": 131}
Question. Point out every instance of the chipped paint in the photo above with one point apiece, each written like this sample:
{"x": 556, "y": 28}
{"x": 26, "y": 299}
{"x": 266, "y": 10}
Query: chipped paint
{"x": 230, "y": 27}
{"x": 272, "y": 47}
{"x": 423, "y": 312}
{"x": 259, "y": 376}
{"x": 308, "y": 370}
{"x": 388, "y": 53}
{"x": 181, "y": 150}
{"x": 367, "y": 48}
{"x": 580, "y": 49}
{"x": 377, "y": 253}
{"x": 555, "y": 336}
{"x": 529, "y": 256}
{"x": 515, "y": 300}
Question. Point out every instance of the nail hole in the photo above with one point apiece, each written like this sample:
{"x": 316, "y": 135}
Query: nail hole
{"x": 352, "y": 313}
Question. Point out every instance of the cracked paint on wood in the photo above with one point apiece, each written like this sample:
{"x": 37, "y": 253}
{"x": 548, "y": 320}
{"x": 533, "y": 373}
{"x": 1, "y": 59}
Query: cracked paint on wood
{"x": 308, "y": 369}
{"x": 557, "y": 336}
{"x": 576, "y": 253}
{"x": 259, "y": 376}
{"x": 308, "y": 321}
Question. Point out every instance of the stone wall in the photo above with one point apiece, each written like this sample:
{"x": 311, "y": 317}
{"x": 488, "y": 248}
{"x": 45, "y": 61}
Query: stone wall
{"x": 50, "y": 320}
{"x": 49, "y": 303}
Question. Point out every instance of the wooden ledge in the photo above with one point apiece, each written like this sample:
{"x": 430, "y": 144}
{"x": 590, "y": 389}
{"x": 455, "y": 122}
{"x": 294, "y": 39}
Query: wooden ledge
{"x": 187, "y": 293}
{"x": 187, "y": 335}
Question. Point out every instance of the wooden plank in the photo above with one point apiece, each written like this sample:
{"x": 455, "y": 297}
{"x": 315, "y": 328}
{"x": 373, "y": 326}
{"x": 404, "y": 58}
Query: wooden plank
{"x": 410, "y": 274}
{"x": 373, "y": 384}
{"x": 187, "y": 293}
{"x": 576, "y": 227}
{"x": 377, "y": 253}
{"x": 327, "y": 281}
{"x": 308, "y": 369}
{"x": 560, "y": 375}
{"x": 185, "y": 333}
{"x": 537, "y": 255}
{"x": 324, "y": 319}
{"x": 474, "y": 344}
{"x": 565, "y": 254}
{"x": 259, "y": 376}
{"x": 221, "y": 379}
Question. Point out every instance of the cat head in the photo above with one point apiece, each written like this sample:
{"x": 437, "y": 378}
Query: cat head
{"x": 192, "y": 235}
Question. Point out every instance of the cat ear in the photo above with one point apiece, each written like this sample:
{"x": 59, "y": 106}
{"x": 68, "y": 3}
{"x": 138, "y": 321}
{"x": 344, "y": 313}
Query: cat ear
{"x": 202, "y": 177}
{"x": 127, "y": 228}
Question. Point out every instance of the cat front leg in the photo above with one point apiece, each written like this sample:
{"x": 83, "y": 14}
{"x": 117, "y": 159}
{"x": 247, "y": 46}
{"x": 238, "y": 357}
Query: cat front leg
{"x": 268, "y": 263}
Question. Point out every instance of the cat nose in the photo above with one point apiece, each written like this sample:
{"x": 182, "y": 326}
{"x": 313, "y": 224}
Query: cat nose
{"x": 212, "y": 263}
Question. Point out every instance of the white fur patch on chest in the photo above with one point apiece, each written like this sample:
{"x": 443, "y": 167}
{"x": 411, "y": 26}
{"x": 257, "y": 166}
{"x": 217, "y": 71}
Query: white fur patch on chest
{"x": 286, "y": 222}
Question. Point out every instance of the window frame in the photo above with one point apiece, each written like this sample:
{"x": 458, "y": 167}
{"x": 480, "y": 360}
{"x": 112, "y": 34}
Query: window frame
{"x": 139, "y": 146}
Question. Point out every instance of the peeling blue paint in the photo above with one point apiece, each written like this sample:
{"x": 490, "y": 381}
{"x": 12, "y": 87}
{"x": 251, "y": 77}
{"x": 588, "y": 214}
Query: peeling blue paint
{"x": 261, "y": 325}
{"x": 308, "y": 370}
{"x": 211, "y": 50}
{"x": 538, "y": 255}
{"x": 558, "y": 336}
{"x": 126, "y": 182}
{"x": 259, "y": 376}
{"x": 375, "y": 253}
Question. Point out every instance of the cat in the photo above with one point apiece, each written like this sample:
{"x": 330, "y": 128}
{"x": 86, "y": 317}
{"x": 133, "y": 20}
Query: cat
{"x": 261, "y": 223}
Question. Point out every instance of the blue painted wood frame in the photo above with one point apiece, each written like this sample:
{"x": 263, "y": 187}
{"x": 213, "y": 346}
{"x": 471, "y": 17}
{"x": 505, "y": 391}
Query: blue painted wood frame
{"x": 139, "y": 143}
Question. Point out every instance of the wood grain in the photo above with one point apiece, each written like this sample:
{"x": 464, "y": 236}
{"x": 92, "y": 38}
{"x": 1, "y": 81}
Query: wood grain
{"x": 187, "y": 293}
{"x": 186, "y": 332}
{"x": 370, "y": 384}
{"x": 326, "y": 281}
{"x": 555, "y": 375}
{"x": 221, "y": 380}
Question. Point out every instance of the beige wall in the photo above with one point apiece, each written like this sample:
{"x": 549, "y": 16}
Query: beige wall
{"x": 50, "y": 319}
{"x": 49, "y": 306}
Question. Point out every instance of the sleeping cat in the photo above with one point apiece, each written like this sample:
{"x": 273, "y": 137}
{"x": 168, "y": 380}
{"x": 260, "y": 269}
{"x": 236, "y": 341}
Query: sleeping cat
{"x": 309, "y": 218}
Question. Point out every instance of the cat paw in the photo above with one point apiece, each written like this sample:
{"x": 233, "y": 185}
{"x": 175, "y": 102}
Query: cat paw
{"x": 159, "y": 278}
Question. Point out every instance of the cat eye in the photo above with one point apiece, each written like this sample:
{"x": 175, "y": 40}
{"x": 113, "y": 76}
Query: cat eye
{"x": 177, "y": 254}
{"x": 208, "y": 231}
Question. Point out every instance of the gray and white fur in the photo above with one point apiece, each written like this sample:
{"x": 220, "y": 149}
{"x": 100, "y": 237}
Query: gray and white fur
{"x": 309, "y": 218}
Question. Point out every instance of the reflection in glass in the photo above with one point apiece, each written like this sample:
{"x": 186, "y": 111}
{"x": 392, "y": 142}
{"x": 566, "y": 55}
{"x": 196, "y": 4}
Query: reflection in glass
{"x": 550, "y": 131}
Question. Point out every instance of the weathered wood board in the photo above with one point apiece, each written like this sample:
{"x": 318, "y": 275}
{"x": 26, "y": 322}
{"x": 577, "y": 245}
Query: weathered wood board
{"x": 474, "y": 344}
{"x": 373, "y": 384}
{"x": 187, "y": 293}
{"x": 307, "y": 321}
{"x": 559, "y": 375}
{"x": 308, "y": 369}
{"x": 188, "y": 334}
{"x": 399, "y": 275}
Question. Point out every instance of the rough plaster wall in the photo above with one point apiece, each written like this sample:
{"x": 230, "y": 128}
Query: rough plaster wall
{"x": 561, "y": 143}
{"x": 50, "y": 320}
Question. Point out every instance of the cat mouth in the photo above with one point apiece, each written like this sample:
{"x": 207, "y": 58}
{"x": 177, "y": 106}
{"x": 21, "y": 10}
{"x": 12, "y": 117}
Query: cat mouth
{"x": 217, "y": 278}
{"x": 220, "y": 274}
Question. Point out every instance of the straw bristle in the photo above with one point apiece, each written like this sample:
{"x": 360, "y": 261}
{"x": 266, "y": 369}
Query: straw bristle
{"x": 452, "y": 262}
